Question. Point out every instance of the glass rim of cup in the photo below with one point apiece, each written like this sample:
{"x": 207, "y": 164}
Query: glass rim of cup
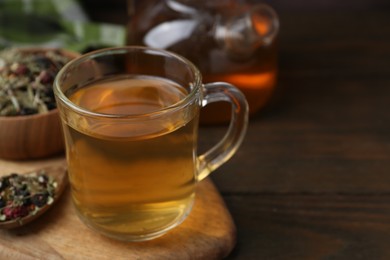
{"x": 195, "y": 86}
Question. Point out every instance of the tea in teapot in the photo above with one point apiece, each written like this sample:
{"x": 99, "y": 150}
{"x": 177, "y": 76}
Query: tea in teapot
{"x": 228, "y": 40}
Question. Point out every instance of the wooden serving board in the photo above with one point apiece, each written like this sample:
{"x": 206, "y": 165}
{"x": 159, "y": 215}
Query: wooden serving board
{"x": 207, "y": 233}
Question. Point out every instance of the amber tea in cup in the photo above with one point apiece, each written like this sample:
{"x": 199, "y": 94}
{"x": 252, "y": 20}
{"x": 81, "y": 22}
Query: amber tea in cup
{"x": 130, "y": 118}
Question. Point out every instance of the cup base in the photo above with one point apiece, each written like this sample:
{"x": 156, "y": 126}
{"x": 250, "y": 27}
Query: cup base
{"x": 130, "y": 237}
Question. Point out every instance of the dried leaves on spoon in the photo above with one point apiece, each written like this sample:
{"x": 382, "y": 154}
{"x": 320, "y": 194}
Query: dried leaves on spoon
{"x": 25, "y": 197}
{"x": 22, "y": 195}
{"x": 26, "y": 79}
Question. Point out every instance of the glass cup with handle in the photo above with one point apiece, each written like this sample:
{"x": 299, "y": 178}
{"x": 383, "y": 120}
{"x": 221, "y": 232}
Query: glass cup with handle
{"x": 130, "y": 119}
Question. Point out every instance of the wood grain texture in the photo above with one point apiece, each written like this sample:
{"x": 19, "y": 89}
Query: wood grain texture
{"x": 311, "y": 226}
{"x": 208, "y": 232}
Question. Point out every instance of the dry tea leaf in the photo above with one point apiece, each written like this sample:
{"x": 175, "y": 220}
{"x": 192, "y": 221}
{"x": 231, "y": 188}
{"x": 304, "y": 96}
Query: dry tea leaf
{"x": 26, "y": 79}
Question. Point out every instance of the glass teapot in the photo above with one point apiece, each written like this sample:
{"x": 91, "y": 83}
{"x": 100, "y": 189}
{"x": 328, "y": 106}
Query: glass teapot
{"x": 228, "y": 40}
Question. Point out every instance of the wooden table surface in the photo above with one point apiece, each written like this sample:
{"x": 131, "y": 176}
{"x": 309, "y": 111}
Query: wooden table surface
{"x": 312, "y": 178}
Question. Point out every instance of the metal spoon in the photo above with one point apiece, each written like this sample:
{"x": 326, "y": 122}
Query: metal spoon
{"x": 58, "y": 174}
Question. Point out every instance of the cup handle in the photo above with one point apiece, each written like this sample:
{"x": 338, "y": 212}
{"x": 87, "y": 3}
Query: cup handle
{"x": 225, "y": 149}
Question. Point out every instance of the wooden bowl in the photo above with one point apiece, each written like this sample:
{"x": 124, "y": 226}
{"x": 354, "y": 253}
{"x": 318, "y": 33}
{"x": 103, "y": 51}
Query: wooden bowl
{"x": 32, "y": 136}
